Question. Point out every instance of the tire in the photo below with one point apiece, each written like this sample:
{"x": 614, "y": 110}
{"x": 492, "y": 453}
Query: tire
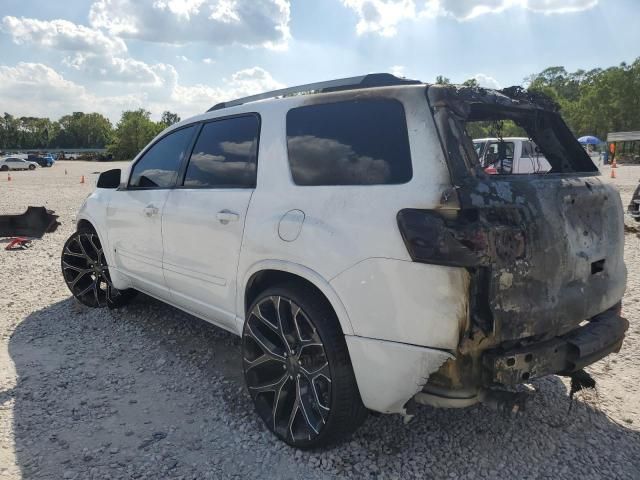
{"x": 297, "y": 368}
{"x": 86, "y": 273}
{"x": 4, "y": 168}
{"x": 32, "y": 167}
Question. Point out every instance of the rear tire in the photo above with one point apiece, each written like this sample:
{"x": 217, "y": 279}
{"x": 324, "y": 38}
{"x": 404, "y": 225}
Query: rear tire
{"x": 86, "y": 273}
{"x": 297, "y": 368}
{"x": 4, "y": 168}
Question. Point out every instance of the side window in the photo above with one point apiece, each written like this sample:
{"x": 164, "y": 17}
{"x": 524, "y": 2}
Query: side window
{"x": 225, "y": 155}
{"x": 158, "y": 168}
{"x": 359, "y": 142}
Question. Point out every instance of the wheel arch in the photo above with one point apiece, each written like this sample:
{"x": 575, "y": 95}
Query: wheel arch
{"x": 84, "y": 223}
{"x": 119, "y": 280}
{"x": 268, "y": 273}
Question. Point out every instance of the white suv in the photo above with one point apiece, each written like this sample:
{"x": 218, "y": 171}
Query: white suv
{"x": 347, "y": 231}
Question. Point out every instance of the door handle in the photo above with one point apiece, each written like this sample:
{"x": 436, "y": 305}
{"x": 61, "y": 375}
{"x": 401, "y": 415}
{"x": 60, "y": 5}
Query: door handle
{"x": 226, "y": 216}
{"x": 150, "y": 210}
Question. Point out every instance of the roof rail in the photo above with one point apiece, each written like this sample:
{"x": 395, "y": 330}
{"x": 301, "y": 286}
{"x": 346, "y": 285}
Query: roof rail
{"x": 370, "y": 80}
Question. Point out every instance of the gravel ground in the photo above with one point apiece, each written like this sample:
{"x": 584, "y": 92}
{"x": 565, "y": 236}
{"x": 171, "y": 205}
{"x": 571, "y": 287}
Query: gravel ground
{"x": 150, "y": 392}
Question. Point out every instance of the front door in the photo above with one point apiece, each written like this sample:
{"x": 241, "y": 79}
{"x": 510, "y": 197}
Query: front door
{"x": 203, "y": 218}
{"x": 134, "y": 214}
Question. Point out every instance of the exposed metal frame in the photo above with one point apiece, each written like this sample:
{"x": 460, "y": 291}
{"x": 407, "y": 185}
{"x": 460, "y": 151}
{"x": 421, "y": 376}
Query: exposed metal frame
{"x": 370, "y": 80}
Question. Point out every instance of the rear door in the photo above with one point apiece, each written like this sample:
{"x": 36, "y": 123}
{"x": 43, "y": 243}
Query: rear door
{"x": 203, "y": 218}
{"x": 134, "y": 214}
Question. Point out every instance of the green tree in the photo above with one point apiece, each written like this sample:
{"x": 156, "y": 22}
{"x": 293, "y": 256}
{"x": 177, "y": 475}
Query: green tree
{"x": 8, "y": 131}
{"x": 169, "y": 118}
{"x": 132, "y": 133}
{"x": 597, "y": 101}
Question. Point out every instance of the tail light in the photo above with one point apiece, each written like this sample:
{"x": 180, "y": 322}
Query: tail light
{"x": 466, "y": 241}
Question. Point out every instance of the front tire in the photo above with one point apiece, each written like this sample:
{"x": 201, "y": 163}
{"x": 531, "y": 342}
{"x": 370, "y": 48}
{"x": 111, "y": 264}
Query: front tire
{"x": 32, "y": 167}
{"x": 297, "y": 368}
{"x": 4, "y": 168}
{"x": 86, "y": 273}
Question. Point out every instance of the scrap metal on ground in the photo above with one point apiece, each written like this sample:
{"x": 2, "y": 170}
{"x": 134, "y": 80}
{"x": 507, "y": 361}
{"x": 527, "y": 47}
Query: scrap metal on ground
{"x": 33, "y": 223}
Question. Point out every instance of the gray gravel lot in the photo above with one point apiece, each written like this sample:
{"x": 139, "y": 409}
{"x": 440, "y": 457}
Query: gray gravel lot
{"x": 150, "y": 392}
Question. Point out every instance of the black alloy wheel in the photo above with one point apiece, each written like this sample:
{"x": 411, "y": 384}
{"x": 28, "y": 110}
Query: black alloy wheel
{"x": 294, "y": 359}
{"x": 86, "y": 272}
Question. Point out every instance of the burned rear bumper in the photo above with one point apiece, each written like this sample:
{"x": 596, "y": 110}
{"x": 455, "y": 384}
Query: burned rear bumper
{"x": 587, "y": 344}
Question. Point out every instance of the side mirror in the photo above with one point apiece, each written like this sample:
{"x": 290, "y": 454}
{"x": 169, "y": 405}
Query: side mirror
{"x": 109, "y": 179}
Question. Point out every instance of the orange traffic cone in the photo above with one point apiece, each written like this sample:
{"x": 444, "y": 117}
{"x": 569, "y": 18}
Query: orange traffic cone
{"x": 82, "y": 179}
{"x": 614, "y": 164}
{"x": 8, "y": 177}
{"x": 613, "y": 172}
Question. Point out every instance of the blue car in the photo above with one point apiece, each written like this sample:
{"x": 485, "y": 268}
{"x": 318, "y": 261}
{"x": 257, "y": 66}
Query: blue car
{"x": 45, "y": 160}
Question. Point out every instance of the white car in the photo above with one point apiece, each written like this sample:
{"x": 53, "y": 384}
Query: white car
{"x": 351, "y": 237}
{"x": 521, "y": 156}
{"x": 14, "y": 163}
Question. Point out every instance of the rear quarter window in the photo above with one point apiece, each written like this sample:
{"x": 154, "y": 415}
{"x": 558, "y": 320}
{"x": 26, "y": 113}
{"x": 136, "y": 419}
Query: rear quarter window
{"x": 359, "y": 142}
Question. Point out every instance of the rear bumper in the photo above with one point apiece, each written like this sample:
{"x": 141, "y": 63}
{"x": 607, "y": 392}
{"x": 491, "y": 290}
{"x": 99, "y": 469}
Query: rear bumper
{"x": 585, "y": 345}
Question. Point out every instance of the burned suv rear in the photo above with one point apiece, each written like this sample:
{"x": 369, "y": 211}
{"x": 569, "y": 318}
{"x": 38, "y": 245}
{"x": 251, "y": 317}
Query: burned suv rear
{"x": 544, "y": 251}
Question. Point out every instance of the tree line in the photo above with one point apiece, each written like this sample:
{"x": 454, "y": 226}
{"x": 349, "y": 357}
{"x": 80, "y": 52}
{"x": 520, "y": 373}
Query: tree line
{"x": 84, "y": 130}
{"x": 592, "y": 102}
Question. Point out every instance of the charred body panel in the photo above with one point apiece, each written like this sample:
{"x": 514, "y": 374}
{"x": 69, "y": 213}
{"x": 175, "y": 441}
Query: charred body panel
{"x": 545, "y": 252}
{"x": 33, "y": 223}
{"x": 564, "y": 355}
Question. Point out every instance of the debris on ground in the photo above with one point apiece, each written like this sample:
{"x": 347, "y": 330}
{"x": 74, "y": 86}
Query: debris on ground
{"x": 19, "y": 243}
{"x": 33, "y": 223}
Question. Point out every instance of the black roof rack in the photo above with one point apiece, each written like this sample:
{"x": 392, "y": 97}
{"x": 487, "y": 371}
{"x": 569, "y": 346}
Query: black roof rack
{"x": 370, "y": 80}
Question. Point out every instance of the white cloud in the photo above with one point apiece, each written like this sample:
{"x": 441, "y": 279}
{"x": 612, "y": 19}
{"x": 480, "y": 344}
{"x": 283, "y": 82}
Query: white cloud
{"x": 61, "y": 35}
{"x": 51, "y": 95}
{"x": 182, "y": 58}
{"x": 208, "y": 61}
{"x": 93, "y": 53}
{"x": 468, "y": 9}
{"x": 219, "y": 22}
{"x": 397, "y": 70}
{"x": 199, "y": 98}
{"x": 383, "y": 16}
{"x": 487, "y": 81}
{"x": 559, "y": 6}
{"x": 117, "y": 69}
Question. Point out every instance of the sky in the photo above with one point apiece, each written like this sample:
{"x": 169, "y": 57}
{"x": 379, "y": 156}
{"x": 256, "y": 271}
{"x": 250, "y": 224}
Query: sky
{"x": 107, "y": 56}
